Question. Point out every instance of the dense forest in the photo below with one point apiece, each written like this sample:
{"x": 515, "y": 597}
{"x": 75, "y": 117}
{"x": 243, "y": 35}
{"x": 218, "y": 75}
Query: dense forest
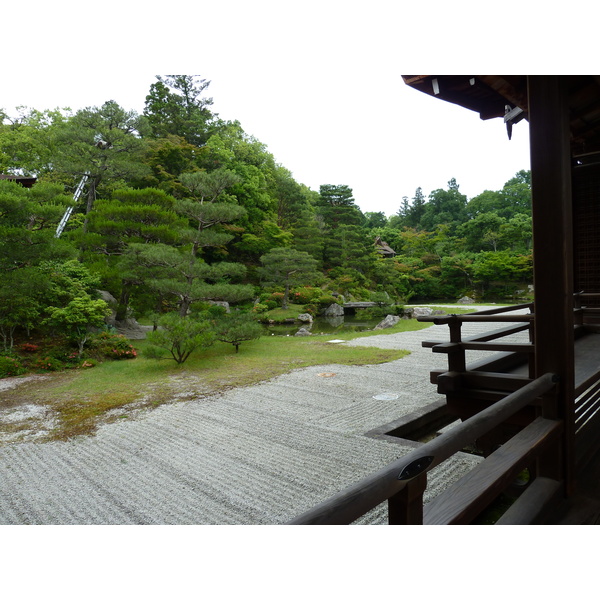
{"x": 181, "y": 211}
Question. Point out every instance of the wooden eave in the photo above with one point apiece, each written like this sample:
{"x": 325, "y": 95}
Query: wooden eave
{"x": 489, "y": 95}
{"x": 23, "y": 180}
{"x": 486, "y": 94}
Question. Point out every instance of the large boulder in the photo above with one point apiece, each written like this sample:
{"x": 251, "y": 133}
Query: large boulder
{"x": 389, "y": 321}
{"x": 334, "y": 310}
{"x": 112, "y": 304}
{"x": 131, "y": 329}
{"x": 221, "y": 303}
{"x": 466, "y": 300}
{"x": 421, "y": 311}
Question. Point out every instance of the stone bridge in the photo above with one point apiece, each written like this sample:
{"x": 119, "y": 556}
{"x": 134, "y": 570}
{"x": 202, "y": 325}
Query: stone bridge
{"x": 350, "y": 308}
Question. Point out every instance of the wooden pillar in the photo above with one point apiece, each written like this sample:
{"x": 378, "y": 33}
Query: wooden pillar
{"x": 553, "y": 249}
{"x": 406, "y": 506}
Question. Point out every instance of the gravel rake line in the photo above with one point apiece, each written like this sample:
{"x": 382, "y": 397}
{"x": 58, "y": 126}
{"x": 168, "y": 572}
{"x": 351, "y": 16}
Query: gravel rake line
{"x": 160, "y": 489}
{"x": 58, "y": 492}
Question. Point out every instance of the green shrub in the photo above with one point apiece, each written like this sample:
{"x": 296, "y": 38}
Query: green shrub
{"x": 260, "y": 308}
{"x": 305, "y": 295}
{"x": 111, "y": 345}
{"x": 311, "y": 309}
{"x": 276, "y": 297}
{"x": 69, "y": 357}
{"x": 47, "y": 363}
{"x": 397, "y": 309}
{"x": 27, "y": 347}
{"x": 325, "y": 301}
{"x": 10, "y": 366}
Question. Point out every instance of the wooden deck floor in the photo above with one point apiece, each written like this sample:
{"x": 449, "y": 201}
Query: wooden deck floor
{"x": 587, "y": 359}
{"x": 583, "y": 507}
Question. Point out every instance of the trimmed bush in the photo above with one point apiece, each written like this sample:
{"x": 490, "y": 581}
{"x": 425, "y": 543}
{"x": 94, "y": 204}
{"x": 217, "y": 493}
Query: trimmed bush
{"x": 10, "y": 366}
{"x": 260, "y": 308}
{"x": 27, "y": 347}
{"x": 306, "y": 295}
{"x": 276, "y": 297}
{"x": 47, "y": 363}
{"x": 325, "y": 301}
{"x": 111, "y": 345}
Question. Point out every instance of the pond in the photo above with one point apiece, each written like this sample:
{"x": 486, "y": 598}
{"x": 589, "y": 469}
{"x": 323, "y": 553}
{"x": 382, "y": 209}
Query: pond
{"x": 327, "y": 325}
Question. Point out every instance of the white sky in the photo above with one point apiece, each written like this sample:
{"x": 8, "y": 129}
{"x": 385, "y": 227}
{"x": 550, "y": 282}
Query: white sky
{"x": 318, "y": 82}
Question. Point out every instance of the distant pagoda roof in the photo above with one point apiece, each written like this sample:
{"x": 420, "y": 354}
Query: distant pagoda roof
{"x": 383, "y": 248}
{"x": 25, "y": 181}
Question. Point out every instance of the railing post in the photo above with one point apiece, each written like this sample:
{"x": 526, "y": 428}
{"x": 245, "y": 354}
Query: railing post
{"x": 406, "y": 506}
{"x": 456, "y": 359}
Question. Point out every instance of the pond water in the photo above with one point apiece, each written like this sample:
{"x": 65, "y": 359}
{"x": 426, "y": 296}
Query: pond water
{"x": 327, "y": 325}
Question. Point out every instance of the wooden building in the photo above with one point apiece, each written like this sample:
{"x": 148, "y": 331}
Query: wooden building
{"x": 23, "y": 180}
{"x": 536, "y": 403}
{"x": 384, "y": 248}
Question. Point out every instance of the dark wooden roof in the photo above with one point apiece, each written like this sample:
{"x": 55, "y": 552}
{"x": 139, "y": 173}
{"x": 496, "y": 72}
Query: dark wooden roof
{"x": 24, "y": 181}
{"x": 383, "y": 247}
{"x": 489, "y": 95}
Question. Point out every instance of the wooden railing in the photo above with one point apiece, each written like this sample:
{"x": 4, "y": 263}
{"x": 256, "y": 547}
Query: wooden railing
{"x": 469, "y": 387}
{"x": 403, "y": 482}
{"x": 512, "y": 354}
{"x": 505, "y": 383}
{"x": 587, "y": 315}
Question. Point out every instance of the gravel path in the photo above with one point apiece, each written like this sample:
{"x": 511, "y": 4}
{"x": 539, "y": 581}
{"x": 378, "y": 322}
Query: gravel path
{"x": 256, "y": 455}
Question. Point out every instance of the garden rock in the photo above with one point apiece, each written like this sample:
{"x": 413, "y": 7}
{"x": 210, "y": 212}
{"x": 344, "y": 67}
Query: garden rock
{"x": 112, "y": 304}
{"x": 131, "y": 329}
{"x": 466, "y": 300}
{"x": 305, "y": 318}
{"x": 222, "y": 303}
{"x": 334, "y": 310}
{"x": 389, "y": 321}
{"x": 421, "y": 311}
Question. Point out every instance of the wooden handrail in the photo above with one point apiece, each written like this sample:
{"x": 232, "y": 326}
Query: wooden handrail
{"x": 477, "y": 318}
{"x": 447, "y": 347}
{"x": 491, "y": 315}
{"x": 484, "y": 337}
{"x": 357, "y": 500}
{"x": 503, "y": 309}
{"x": 463, "y": 501}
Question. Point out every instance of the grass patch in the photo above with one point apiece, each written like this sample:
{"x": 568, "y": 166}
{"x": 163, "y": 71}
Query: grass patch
{"x": 81, "y": 399}
{"x": 279, "y": 315}
{"x": 84, "y": 398}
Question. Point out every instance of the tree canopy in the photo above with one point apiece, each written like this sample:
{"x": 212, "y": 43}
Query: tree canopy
{"x": 181, "y": 208}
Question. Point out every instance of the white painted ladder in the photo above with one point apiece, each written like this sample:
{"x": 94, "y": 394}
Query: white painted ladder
{"x": 76, "y": 195}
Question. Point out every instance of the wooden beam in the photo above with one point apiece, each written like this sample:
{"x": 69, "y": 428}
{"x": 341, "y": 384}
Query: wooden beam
{"x": 553, "y": 248}
{"x": 460, "y": 503}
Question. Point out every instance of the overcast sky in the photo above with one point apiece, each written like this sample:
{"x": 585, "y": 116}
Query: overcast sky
{"x": 319, "y": 83}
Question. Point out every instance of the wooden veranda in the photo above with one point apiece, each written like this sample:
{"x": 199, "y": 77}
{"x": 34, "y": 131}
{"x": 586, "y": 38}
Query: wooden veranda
{"x": 533, "y": 405}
